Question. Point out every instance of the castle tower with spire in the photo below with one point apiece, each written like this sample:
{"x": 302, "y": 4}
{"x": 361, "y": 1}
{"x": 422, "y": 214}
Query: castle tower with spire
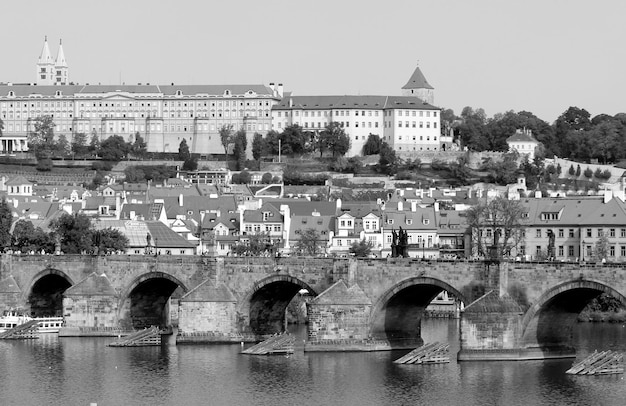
{"x": 418, "y": 86}
{"x": 49, "y": 71}
{"x": 45, "y": 66}
{"x": 61, "y": 70}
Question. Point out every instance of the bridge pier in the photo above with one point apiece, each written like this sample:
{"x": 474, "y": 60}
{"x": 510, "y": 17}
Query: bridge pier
{"x": 90, "y": 308}
{"x": 208, "y": 313}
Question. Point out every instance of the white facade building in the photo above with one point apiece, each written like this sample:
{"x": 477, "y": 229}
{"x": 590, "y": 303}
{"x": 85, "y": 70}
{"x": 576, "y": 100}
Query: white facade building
{"x": 407, "y": 123}
{"x": 523, "y": 142}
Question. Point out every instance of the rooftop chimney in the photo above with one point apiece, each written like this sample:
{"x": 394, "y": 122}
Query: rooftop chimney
{"x": 279, "y": 90}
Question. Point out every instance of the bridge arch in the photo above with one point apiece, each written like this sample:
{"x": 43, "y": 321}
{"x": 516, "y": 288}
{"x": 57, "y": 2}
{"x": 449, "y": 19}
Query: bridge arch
{"x": 44, "y": 293}
{"x": 145, "y": 301}
{"x": 263, "y": 307}
{"x": 397, "y": 314}
{"x": 548, "y": 323}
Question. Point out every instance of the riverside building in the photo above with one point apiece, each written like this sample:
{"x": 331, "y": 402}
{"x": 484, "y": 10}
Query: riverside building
{"x": 407, "y": 123}
{"x": 163, "y": 115}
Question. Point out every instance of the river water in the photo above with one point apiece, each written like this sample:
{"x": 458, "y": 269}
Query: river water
{"x": 81, "y": 371}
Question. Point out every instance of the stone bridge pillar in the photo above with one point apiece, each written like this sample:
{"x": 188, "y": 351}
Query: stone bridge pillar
{"x": 90, "y": 308}
{"x": 339, "y": 321}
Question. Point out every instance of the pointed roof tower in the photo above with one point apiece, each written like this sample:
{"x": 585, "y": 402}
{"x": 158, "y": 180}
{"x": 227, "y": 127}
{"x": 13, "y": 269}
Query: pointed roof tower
{"x": 418, "y": 86}
{"x": 417, "y": 81}
{"x": 45, "y": 57}
{"x": 60, "y": 61}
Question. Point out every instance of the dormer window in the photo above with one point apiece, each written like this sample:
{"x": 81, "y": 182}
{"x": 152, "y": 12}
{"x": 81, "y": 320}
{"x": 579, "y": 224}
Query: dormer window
{"x": 179, "y": 93}
{"x": 11, "y": 93}
{"x": 409, "y": 221}
{"x": 389, "y": 221}
{"x": 426, "y": 222}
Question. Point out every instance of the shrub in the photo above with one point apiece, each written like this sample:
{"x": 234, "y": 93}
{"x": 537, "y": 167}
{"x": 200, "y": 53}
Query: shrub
{"x": 588, "y": 173}
{"x": 44, "y": 165}
{"x": 102, "y": 166}
{"x": 404, "y": 175}
{"x": 438, "y": 165}
{"x": 266, "y": 178}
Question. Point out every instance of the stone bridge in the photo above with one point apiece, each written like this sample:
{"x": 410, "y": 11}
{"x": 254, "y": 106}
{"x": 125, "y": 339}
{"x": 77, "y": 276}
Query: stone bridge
{"x": 513, "y": 310}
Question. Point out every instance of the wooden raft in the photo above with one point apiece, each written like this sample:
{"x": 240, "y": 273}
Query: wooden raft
{"x": 279, "y": 344}
{"x": 142, "y": 338}
{"x": 599, "y": 363}
{"x": 433, "y": 353}
{"x": 24, "y": 331}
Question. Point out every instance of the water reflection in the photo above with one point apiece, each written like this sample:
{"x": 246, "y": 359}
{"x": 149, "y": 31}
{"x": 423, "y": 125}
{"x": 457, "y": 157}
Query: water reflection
{"x": 53, "y": 371}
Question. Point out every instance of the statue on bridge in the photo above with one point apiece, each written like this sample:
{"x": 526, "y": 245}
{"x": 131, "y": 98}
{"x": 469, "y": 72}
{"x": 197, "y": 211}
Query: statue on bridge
{"x": 399, "y": 243}
{"x": 394, "y": 243}
{"x": 403, "y": 243}
{"x": 550, "y": 245}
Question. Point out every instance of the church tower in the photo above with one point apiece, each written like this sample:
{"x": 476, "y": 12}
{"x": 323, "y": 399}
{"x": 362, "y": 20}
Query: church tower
{"x": 417, "y": 86}
{"x": 45, "y": 66}
{"x": 61, "y": 71}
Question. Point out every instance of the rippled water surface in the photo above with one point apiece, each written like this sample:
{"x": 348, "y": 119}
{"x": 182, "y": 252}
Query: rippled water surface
{"x": 80, "y": 371}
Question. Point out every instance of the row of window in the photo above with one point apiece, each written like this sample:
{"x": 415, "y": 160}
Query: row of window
{"x": 571, "y": 250}
{"x": 277, "y": 228}
{"x": 588, "y": 232}
{"x": 363, "y": 113}
{"x": 414, "y": 124}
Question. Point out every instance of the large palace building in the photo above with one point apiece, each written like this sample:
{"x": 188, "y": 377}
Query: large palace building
{"x": 164, "y": 115}
{"x": 407, "y": 123}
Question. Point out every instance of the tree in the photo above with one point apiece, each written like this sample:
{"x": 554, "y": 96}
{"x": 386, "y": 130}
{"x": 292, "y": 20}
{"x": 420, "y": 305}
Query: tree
{"x": 241, "y": 143}
{"x": 577, "y": 170}
{"x": 134, "y": 174}
{"x": 309, "y": 242}
{"x": 44, "y": 165}
{"x": 183, "y": 151}
{"x": 372, "y": 145}
{"x": 62, "y": 147}
{"x": 74, "y": 232}
{"x": 266, "y": 178}
{"x": 94, "y": 144}
{"x": 27, "y": 238}
{"x": 79, "y": 144}
{"x": 6, "y": 219}
{"x": 139, "y": 148}
{"x": 572, "y": 170}
{"x": 226, "y": 132}
{"x": 497, "y": 222}
{"x": 335, "y": 139}
{"x": 190, "y": 164}
{"x": 109, "y": 240}
{"x": 471, "y": 129}
{"x": 258, "y": 146}
{"x": 588, "y": 173}
{"x": 388, "y": 162}
{"x": 41, "y": 139}
{"x": 245, "y": 177}
{"x": 361, "y": 249}
{"x": 114, "y": 148}
{"x": 255, "y": 245}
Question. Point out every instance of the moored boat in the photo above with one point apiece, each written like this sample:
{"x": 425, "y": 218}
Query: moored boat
{"x": 13, "y": 318}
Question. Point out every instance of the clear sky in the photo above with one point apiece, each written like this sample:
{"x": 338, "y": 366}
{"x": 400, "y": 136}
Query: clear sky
{"x": 540, "y": 56}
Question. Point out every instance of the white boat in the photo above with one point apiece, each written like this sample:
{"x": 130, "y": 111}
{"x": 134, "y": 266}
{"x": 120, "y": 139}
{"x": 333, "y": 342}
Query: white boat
{"x": 13, "y": 318}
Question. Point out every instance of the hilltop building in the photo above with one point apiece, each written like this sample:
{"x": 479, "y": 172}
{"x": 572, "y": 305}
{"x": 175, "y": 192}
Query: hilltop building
{"x": 51, "y": 72}
{"x": 407, "y": 123}
{"x": 523, "y": 142}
